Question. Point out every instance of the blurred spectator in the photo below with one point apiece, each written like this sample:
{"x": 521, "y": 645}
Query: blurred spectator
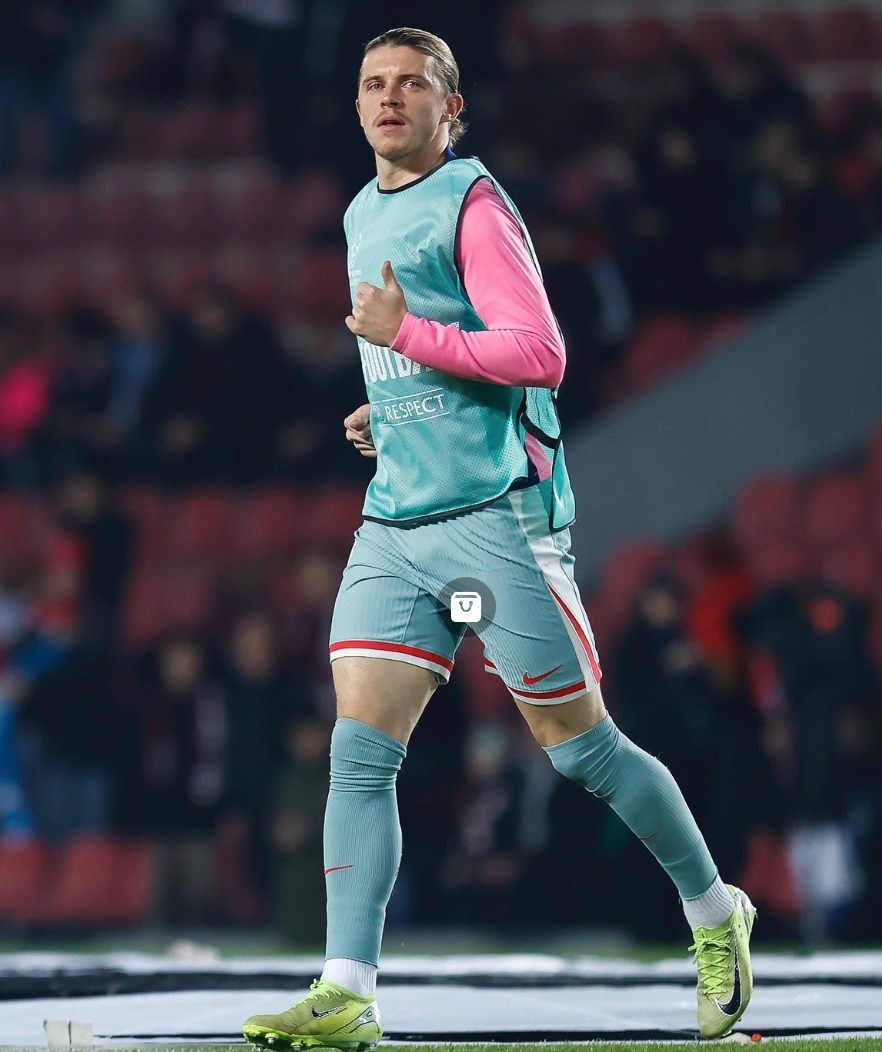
{"x": 204, "y": 418}
{"x": 821, "y": 703}
{"x": 272, "y": 35}
{"x": 758, "y": 94}
{"x": 589, "y": 296}
{"x": 665, "y": 698}
{"x": 24, "y": 402}
{"x": 183, "y": 742}
{"x": 86, "y": 510}
{"x": 37, "y": 43}
{"x": 60, "y": 681}
{"x": 482, "y": 873}
{"x": 668, "y": 227}
{"x": 15, "y": 621}
{"x": 322, "y": 374}
{"x": 138, "y": 348}
{"x": 300, "y": 796}
{"x": 77, "y": 432}
{"x": 262, "y": 696}
{"x": 306, "y": 618}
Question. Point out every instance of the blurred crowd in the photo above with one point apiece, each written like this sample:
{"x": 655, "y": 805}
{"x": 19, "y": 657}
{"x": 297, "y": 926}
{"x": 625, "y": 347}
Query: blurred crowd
{"x": 670, "y": 186}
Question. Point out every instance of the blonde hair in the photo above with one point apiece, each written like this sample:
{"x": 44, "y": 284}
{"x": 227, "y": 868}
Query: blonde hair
{"x": 436, "y": 48}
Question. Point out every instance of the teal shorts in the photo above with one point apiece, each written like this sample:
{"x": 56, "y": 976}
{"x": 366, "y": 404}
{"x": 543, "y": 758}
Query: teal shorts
{"x": 410, "y": 592}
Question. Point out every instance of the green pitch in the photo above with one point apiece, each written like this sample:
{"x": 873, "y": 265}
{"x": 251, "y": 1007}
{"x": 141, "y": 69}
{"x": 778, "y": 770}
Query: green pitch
{"x": 821, "y": 1044}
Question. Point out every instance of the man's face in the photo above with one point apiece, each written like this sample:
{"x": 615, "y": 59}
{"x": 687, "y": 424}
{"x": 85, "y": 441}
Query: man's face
{"x": 403, "y": 105}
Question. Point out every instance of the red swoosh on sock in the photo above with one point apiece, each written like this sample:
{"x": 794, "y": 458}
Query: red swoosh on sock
{"x": 334, "y": 869}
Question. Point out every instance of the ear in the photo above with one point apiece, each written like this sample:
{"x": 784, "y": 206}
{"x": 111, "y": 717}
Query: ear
{"x": 454, "y": 107}
{"x": 358, "y": 111}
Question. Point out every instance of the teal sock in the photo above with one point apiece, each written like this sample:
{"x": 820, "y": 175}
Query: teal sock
{"x": 362, "y": 838}
{"x": 643, "y": 793}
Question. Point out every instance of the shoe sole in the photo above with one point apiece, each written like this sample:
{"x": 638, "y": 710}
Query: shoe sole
{"x": 275, "y": 1039}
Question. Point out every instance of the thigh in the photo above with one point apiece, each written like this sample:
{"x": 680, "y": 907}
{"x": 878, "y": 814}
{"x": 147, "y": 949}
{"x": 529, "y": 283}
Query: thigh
{"x": 392, "y": 641}
{"x": 384, "y": 610}
{"x": 535, "y": 631}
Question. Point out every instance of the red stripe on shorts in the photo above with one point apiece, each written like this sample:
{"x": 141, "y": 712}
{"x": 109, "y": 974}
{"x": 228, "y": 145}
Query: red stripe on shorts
{"x": 395, "y": 648}
{"x": 580, "y": 632}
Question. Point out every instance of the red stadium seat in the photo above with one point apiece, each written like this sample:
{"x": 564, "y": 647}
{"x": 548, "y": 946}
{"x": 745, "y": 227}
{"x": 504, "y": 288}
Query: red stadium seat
{"x": 661, "y": 344}
{"x": 255, "y": 286}
{"x": 273, "y": 521}
{"x": 855, "y": 565}
{"x": 185, "y": 134}
{"x": 311, "y": 202}
{"x": 23, "y": 867}
{"x": 159, "y": 601}
{"x": 578, "y": 43}
{"x": 722, "y": 328}
{"x": 237, "y": 131}
{"x": 18, "y": 541}
{"x": 644, "y": 38}
{"x": 524, "y": 43}
{"x": 874, "y": 466}
{"x": 251, "y": 209}
{"x": 837, "y": 510}
{"x": 785, "y": 34}
{"x": 181, "y": 277}
{"x": 51, "y": 219}
{"x": 188, "y": 218}
{"x": 777, "y": 561}
{"x": 51, "y": 287}
{"x": 336, "y": 514}
{"x": 129, "y": 898}
{"x": 149, "y": 510}
{"x": 201, "y": 525}
{"x": 769, "y": 509}
{"x": 80, "y": 877}
{"x": 140, "y": 135}
{"x": 711, "y": 35}
{"x": 322, "y": 285}
{"x": 95, "y": 880}
{"x": 845, "y": 34}
{"x": 123, "y": 218}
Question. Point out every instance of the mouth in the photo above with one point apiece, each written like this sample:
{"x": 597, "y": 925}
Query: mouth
{"x": 390, "y": 122}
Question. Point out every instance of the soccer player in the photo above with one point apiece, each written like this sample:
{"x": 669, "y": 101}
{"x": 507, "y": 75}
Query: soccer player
{"x": 461, "y": 357}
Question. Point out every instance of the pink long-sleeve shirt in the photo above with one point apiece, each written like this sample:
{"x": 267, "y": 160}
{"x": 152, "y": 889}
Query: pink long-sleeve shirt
{"x": 521, "y": 345}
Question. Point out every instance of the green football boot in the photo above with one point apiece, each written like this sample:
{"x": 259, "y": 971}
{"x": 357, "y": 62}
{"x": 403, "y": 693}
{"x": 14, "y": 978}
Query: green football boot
{"x": 725, "y": 978}
{"x": 328, "y": 1016}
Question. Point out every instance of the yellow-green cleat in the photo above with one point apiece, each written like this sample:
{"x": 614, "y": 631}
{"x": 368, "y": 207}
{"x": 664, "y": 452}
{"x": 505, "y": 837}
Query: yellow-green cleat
{"x": 725, "y": 977}
{"x": 328, "y": 1017}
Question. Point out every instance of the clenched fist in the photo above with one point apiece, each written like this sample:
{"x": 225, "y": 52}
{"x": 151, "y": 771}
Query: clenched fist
{"x": 358, "y": 431}
{"x": 377, "y": 314}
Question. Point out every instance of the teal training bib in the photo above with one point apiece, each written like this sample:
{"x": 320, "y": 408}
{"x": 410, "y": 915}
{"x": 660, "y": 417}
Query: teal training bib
{"x": 444, "y": 444}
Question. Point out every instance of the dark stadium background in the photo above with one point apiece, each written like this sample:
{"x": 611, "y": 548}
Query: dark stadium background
{"x": 703, "y": 181}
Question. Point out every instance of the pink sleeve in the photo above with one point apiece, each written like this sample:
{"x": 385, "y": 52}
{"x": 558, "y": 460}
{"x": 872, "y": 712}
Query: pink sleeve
{"x": 522, "y": 345}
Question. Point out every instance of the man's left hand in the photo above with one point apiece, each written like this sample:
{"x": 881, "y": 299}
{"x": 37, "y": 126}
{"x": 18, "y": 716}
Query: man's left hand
{"x": 377, "y": 314}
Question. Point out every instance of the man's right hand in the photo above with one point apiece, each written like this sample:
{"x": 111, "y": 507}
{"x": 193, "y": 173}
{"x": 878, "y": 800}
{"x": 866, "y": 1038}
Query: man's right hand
{"x": 358, "y": 431}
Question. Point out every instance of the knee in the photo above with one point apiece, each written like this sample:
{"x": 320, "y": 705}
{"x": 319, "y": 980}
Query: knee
{"x": 363, "y": 758}
{"x": 590, "y": 759}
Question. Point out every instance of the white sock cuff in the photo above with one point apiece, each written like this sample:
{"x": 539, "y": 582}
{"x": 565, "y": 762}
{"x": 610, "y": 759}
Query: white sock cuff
{"x": 710, "y": 908}
{"x": 357, "y": 976}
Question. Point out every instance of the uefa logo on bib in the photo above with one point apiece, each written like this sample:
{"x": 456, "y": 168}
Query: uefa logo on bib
{"x": 465, "y": 607}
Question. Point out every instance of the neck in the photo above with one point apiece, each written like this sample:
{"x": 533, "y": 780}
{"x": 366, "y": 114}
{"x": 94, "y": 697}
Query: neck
{"x": 392, "y": 175}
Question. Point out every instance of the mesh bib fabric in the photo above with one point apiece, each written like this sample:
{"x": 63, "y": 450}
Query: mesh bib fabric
{"x": 444, "y": 443}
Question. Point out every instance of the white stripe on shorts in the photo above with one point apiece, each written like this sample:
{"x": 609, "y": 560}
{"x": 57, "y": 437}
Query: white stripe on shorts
{"x": 563, "y": 589}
